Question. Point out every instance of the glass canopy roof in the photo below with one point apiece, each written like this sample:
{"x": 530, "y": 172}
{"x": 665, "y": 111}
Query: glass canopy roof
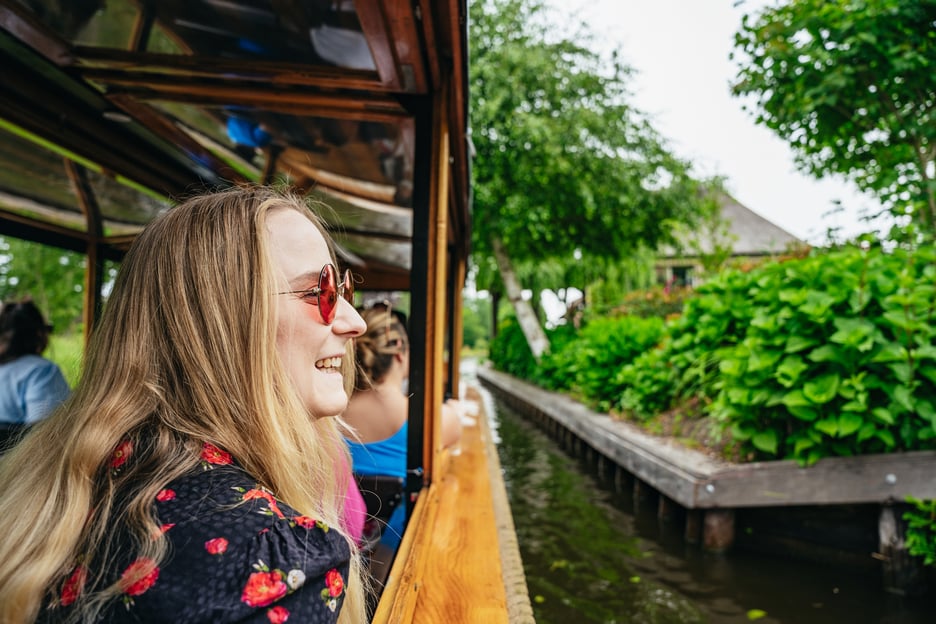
{"x": 114, "y": 110}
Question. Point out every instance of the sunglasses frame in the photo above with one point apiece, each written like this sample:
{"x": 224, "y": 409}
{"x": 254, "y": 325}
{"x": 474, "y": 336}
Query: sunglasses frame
{"x": 313, "y": 296}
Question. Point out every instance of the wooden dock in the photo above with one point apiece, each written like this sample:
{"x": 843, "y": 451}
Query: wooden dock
{"x": 711, "y": 491}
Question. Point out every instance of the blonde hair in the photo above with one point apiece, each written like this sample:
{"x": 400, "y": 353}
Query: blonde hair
{"x": 184, "y": 354}
{"x": 374, "y": 350}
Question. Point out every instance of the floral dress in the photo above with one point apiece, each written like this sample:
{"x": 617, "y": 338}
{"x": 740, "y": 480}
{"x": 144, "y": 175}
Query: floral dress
{"x": 236, "y": 554}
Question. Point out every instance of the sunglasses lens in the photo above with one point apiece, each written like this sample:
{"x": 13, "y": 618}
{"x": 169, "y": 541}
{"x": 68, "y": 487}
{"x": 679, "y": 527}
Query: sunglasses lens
{"x": 328, "y": 293}
{"x": 348, "y": 287}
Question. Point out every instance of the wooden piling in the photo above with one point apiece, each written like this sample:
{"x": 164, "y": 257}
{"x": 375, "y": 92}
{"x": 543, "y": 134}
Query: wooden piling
{"x": 718, "y": 530}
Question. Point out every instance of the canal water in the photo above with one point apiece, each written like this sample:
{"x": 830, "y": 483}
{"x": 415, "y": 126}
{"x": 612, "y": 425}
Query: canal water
{"x": 589, "y": 558}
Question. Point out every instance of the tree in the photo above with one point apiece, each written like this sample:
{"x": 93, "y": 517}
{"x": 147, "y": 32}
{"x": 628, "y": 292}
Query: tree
{"x": 52, "y": 277}
{"x": 851, "y": 86}
{"x": 564, "y": 164}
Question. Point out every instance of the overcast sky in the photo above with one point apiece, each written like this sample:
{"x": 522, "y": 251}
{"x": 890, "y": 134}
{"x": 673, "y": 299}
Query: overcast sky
{"x": 680, "y": 50}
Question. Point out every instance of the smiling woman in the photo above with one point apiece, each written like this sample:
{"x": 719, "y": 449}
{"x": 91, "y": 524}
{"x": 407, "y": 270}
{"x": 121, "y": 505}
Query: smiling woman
{"x": 189, "y": 437}
{"x": 312, "y": 332}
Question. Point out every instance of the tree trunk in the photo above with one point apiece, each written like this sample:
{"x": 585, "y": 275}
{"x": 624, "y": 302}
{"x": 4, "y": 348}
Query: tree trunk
{"x": 534, "y": 333}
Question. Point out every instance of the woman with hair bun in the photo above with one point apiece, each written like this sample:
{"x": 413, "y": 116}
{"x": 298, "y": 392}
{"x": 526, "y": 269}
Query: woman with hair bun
{"x": 30, "y": 385}
{"x": 378, "y": 412}
{"x": 197, "y": 474}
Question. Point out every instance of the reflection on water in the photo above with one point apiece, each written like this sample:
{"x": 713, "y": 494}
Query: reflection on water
{"x": 589, "y": 558}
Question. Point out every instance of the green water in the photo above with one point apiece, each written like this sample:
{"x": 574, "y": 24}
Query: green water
{"x": 589, "y": 558}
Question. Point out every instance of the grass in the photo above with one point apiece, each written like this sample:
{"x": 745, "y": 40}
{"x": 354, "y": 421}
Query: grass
{"x": 66, "y": 350}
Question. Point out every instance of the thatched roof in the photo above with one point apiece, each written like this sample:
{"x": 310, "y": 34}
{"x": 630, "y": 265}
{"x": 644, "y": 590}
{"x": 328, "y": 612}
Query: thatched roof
{"x": 748, "y": 233}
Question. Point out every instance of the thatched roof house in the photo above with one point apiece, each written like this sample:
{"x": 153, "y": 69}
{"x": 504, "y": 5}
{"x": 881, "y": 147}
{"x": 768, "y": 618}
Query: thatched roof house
{"x": 739, "y": 234}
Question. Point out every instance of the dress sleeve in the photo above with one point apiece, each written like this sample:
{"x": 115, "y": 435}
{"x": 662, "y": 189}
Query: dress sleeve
{"x": 237, "y": 554}
{"x": 286, "y": 579}
{"x": 46, "y": 388}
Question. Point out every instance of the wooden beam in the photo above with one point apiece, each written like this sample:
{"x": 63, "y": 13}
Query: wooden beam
{"x": 94, "y": 264}
{"x": 105, "y": 64}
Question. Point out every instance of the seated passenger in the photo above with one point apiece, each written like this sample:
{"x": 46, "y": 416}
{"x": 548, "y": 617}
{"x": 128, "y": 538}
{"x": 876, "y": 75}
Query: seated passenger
{"x": 378, "y": 412}
{"x": 197, "y": 473}
{"x": 30, "y": 385}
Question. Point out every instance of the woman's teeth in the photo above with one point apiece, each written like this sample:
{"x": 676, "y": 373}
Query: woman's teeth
{"x": 329, "y": 363}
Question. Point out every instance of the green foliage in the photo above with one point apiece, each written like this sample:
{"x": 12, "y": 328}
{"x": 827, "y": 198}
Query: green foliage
{"x": 67, "y": 351}
{"x": 476, "y": 322}
{"x": 921, "y": 529}
{"x": 510, "y": 351}
{"x": 839, "y": 357}
{"x": 656, "y": 301}
{"x": 685, "y": 363}
{"x": 586, "y": 362}
{"x": 832, "y": 354}
{"x": 850, "y": 86}
{"x": 649, "y": 385}
{"x": 603, "y": 347}
{"x": 564, "y": 164}
{"x": 54, "y": 278}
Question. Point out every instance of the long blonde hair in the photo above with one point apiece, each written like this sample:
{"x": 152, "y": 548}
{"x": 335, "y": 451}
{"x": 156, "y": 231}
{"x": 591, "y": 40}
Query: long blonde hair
{"x": 184, "y": 353}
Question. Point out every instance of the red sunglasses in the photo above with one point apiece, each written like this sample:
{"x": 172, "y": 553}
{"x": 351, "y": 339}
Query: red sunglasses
{"x": 326, "y": 294}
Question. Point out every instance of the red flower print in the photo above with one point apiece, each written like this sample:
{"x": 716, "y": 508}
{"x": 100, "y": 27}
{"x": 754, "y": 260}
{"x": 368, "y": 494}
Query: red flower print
{"x": 73, "y": 586}
{"x": 335, "y": 583}
{"x": 139, "y": 576}
{"x": 213, "y": 455}
{"x": 261, "y": 493}
{"x": 278, "y": 615}
{"x": 121, "y": 454}
{"x": 264, "y": 588}
{"x": 305, "y": 522}
{"x": 165, "y": 495}
{"x": 166, "y": 527}
{"x": 216, "y": 546}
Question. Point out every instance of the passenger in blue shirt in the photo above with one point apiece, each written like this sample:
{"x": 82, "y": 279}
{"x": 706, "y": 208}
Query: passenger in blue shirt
{"x": 30, "y": 385}
{"x": 378, "y": 413}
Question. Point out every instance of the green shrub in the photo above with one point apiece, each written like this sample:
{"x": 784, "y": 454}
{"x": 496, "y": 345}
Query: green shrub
{"x": 510, "y": 351}
{"x": 603, "y": 348}
{"x": 839, "y": 357}
{"x": 921, "y": 529}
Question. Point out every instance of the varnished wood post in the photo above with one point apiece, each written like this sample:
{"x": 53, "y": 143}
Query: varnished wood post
{"x": 718, "y": 530}
{"x": 94, "y": 263}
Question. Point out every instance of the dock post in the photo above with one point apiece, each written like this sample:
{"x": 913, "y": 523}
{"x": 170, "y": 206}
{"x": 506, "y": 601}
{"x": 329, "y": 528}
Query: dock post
{"x": 718, "y": 530}
{"x": 666, "y": 509}
{"x": 642, "y": 493}
{"x": 693, "y": 526}
{"x": 902, "y": 572}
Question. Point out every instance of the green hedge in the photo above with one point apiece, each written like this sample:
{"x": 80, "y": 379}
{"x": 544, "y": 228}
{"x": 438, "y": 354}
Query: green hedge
{"x": 831, "y": 354}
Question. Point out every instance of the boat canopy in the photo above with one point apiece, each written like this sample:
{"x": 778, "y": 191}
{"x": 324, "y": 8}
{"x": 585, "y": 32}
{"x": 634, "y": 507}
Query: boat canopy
{"x": 112, "y": 111}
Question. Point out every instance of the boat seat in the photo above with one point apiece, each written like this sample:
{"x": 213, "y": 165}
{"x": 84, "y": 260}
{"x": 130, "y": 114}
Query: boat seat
{"x": 382, "y": 494}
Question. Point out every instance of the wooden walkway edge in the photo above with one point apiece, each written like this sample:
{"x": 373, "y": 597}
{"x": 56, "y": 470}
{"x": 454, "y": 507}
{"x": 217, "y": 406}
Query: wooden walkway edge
{"x": 697, "y": 481}
{"x": 712, "y": 492}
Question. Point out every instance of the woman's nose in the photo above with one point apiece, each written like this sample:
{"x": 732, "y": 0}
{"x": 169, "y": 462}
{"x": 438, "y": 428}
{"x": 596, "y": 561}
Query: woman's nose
{"x": 348, "y": 321}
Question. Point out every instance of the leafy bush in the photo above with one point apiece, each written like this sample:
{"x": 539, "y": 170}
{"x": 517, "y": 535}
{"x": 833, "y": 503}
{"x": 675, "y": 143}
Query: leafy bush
{"x": 602, "y": 349}
{"x": 829, "y": 354}
{"x": 839, "y": 357}
{"x": 510, "y": 352}
{"x": 685, "y": 364}
{"x": 921, "y": 529}
{"x": 657, "y": 301}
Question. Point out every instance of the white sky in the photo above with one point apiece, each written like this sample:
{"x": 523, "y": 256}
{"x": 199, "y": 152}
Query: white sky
{"x": 679, "y": 49}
